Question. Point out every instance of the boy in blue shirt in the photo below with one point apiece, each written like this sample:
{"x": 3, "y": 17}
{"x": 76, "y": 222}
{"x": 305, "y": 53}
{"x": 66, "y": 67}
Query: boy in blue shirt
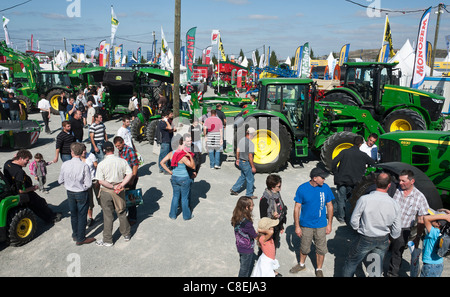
{"x": 433, "y": 264}
{"x": 313, "y": 216}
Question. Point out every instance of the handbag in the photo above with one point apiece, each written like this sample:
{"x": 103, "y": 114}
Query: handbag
{"x": 133, "y": 197}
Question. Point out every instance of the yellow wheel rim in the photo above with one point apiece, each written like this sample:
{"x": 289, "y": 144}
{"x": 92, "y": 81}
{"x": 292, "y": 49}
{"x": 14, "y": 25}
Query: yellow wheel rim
{"x": 267, "y": 147}
{"x": 340, "y": 148}
{"x": 401, "y": 125}
{"x": 54, "y": 101}
{"x": 23, "y": 103}
{"x": 24, "y": 227}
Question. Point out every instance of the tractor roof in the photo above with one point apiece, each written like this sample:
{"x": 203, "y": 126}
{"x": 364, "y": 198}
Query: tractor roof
{"x": 370, "y": 64}
{"x": 285, "y": 81}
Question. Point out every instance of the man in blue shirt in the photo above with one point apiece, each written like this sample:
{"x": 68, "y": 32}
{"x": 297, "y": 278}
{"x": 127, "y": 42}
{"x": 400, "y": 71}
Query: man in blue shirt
{"x": 313, "y": 200}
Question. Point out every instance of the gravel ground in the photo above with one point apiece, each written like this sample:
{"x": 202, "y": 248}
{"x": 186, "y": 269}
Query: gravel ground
{"x": 161, "y": 247}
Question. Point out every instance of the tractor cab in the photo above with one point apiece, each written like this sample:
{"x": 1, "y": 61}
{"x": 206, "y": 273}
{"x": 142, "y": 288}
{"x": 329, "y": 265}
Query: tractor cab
{"x": 48, "y": 80}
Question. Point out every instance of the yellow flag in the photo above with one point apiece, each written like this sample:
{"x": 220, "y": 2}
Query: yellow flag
{"x": 387, "y": 37}
{"x": 222, "y": 52}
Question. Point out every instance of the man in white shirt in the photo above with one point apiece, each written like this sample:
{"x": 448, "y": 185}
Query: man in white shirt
{"x": 369, "y": 147}
{"x": 44, "y": 107}
{"x": 125, "y": 132}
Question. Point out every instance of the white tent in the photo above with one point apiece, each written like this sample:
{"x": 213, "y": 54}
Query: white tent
{"x": 405, "y": 58}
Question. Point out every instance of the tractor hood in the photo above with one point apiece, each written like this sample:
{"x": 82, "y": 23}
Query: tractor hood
{"x": 158, "y": 74}
{"x": 415, "y": 92}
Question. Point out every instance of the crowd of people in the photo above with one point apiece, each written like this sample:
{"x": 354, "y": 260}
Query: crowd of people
{"x": 382, "y": 219}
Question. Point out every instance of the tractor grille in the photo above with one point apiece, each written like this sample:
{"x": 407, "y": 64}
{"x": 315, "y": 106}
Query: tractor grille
{"x": 420, "y": 157}
{"x": 434, "y": 108}
{"x": 389, "y": 151}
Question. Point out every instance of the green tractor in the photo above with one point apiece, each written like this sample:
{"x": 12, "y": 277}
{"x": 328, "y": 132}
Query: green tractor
{"x": 374, "y": 87}
{"x": 290, "y": 122}
{"x": 18, "y": 223}
{"x": 429, "y": 151}
{"x": 49, "y": 83}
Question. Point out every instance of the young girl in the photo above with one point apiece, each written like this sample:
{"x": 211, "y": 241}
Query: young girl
{"x": 266, "y": 265}
{"x": 245, "y": 234}
{"x": 38, "y": 168}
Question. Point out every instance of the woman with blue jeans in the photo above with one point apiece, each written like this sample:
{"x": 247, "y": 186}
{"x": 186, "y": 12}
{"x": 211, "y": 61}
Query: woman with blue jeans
{"x": 181, "y": 159}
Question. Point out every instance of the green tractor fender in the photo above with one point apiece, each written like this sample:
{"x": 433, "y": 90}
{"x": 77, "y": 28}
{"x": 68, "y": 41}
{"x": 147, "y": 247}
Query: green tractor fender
{"x": 349, "y": 95}
{"x": 419, "y": 116}
{"x": 6, "y": 205}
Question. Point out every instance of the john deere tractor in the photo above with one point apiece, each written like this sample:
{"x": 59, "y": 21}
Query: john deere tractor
{"x": 18, "y": 223}
{"x": 374, "y": 87}
{"x": 289, "y": 123}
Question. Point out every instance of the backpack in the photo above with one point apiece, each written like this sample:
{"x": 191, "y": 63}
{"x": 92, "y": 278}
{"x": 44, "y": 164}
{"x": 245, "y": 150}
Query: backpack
{"x": 32, "y": 167}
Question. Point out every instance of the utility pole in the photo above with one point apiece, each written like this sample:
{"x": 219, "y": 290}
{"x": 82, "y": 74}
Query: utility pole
{"x": 433, "y": 52}
{"x": 177, "y": 60}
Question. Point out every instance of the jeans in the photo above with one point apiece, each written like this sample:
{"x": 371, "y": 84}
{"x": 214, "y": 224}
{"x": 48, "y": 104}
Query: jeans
{"x": 214, "y": 157}
{"x": 397, "y": 247}
{"x": 78, "y": 206}
{"x": 14, "y": 115}
{"x": 45, "y": 118}
{"x": 431, "y": 270}
{"x": 181, "y": 187}
{"x": 66, "y": 157}
{"x": 247, "y": 261}
{"x": 62, "y": 114}
{"x": 340, "y": 201}
{"x": 99, "y": 155}
{"x": 165, "y": 149}
{"x": 246, "y": 177}
{"x": 366, "y": 246}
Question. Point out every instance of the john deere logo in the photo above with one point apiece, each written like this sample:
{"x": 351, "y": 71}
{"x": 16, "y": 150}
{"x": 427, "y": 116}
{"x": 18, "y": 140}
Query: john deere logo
{"x": 405, "y": 143}
{"x": 118, "y": 77}
{"x": 364, "y": 115}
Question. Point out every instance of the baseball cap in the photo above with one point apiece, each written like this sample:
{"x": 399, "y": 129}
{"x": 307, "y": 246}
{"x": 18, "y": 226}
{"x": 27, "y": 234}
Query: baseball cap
{"x": 251, "y": 131}
{"x": 266, "y": 223}
{"x": 318, "y": 172}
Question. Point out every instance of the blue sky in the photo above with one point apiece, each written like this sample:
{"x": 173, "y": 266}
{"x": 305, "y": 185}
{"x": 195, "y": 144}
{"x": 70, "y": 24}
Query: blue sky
{"x": 244, "y": 24}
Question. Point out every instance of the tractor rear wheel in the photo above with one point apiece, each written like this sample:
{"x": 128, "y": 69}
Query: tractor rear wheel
{"x": 53, "y": 98}
{"x": 138, "y": 130}
{"x": 151, "y": 131}
{"x": 26, "y": 102}
{"x": 340, "y": 97}
{"x": 22, "y": 227}
{"x": 272, "y": 148}
{"x": 334, "y": 145}
{"x": 404, "y": 120}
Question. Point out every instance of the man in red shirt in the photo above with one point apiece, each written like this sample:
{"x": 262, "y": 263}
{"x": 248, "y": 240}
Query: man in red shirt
{"x": 213, "y": 131}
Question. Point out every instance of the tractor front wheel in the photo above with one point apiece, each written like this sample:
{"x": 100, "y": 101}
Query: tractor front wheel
{"x": 138, "y": 130}
{"x": 22, "y": 227}
{"x": 404, "y": 120}
{"x": 334, "y": 145}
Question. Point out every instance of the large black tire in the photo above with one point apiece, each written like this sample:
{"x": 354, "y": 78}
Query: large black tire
{"x": 404, "y": 120}
{"x": 53, "y": 98}
{"x": 272, "y": 148}
{"x": 340, "y": 97}
{"x": 334, "y": 145}
{"x": 422, "y": 183}
{"x": 22, "y": 226}
{"x": 138, "y": 130}
{"x": 151, "y": 131}
{"x": 26, "y": 103}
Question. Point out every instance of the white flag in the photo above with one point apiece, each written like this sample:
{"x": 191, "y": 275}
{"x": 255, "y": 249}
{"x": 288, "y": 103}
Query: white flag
{"x": 5, "y": 22}
{"x": 215, "y": 36}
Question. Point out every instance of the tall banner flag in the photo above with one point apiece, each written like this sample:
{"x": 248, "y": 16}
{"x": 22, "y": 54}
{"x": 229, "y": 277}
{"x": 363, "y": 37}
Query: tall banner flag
{"x": 190, "y": 48}
{"x": 429, "y": 52}
{"x": 208, "y": 55}
{"x": 139, "y": 55}
{"x": 387, "y": 37}
{"x": 447, "y": 42}
{"x": 296, "y": 58}
{"x": 299, "y": 62}
{"x": 255, "y": 63}
{"x": 183, "y": 55}
{"x": 306, "y": 61}
{"x": 166, "y": 53}
{"x": 102, "y": 53}
{"x": 421, "y": 48}
{"x": 5, "y": 28}
{"x": 114, "y": 25}
{"x": 222, "y": 52}
{"x": 383, "y": 56}
{"x": 343, "y": 56}
{"x": 214, "y": 36}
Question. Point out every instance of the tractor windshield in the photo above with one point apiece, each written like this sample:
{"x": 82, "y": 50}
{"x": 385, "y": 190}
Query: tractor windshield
{"x": 55, "y": 79}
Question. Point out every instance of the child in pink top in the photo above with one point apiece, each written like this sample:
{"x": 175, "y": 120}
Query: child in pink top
{"x": 266, "y": 265}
